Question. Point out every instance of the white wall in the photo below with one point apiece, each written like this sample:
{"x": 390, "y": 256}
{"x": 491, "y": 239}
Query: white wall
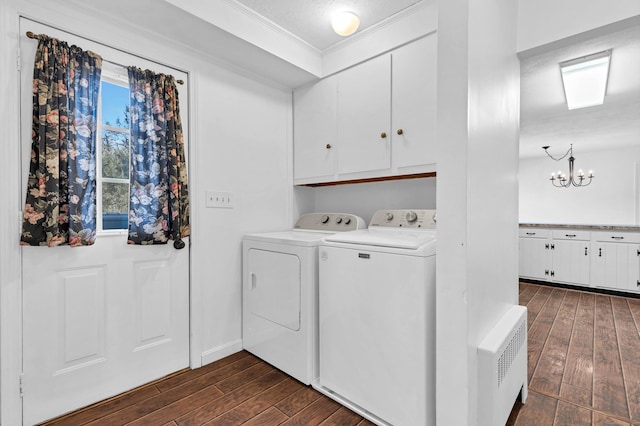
{"x": 545, "y": 21}
{"x": 364, "y": 199}
{"x": 240, "y": 142}
{"x": 612, "y": 197}
{"x": 477, "y": 265}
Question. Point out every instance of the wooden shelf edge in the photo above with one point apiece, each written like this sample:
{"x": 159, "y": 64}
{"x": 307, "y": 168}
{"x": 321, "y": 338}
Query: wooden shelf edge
{"x": 368, "y": 180}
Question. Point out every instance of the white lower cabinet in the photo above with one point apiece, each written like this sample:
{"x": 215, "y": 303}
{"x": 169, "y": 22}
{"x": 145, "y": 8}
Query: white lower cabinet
{"x": 534, "y": 254}
{"x": 609, "y": 260}
{"x": 616, "y": 261}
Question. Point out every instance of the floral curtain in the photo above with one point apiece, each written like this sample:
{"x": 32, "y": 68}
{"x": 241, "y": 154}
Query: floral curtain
{"x": 159, "y": 205}
{"x": 60, "y": 206}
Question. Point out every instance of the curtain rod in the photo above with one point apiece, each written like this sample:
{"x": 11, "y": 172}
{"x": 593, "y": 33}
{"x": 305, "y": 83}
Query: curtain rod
{"x": 38, "y": 36}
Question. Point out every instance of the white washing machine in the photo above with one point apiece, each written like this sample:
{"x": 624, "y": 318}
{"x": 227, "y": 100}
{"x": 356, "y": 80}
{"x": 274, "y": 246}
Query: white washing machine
{"x": 280, "y": 292}
{"x": 377, "y": 318}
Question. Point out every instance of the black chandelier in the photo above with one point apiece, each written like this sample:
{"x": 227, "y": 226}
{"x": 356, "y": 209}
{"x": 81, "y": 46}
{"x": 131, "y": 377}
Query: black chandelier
{"x": 560, "y": 180}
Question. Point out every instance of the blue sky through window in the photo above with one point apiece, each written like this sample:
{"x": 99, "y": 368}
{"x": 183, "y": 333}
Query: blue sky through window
{"x": 115, "y": 99}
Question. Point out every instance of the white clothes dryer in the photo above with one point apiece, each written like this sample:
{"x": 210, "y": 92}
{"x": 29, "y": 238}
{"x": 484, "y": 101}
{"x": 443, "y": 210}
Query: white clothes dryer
{"x": 280, "y": 292}
{"x": 377, "y": 318}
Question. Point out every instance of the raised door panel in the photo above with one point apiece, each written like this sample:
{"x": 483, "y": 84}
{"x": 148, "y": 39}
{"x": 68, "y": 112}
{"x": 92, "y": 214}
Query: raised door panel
{"x": 315, "y": 130}
{"x": 414, "y": 86}
{"x": 570, "y": 262}
{"x": 364, "y": 117}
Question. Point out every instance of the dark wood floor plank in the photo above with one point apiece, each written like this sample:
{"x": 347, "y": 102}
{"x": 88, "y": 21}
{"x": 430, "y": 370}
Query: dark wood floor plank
{"x": 299, "y": 400}
{"x": 526, "y": 293}
{"x": 577, "y": 381}
{"x": 259, "y": 403}
{"x": 180, "y": 407}
{"x": 314, "y": 414}
{"x": 342, "y": 417}
{"x": 629, "y": 344}
{"x": 206, "y": 369}
{"x": 103, "y": 409}
{"x": 269, "y": 417}
{"x": 600, "y": 419}
{"x": 539, "y": 410}
{"x": 547, "y": 377}
{"x": 571, "y": 414}
{"x": 609, "y": 394}
{"x": 231, "y": 400}
{"x": 534, "y": 306}
{"x": 244, "y": 376}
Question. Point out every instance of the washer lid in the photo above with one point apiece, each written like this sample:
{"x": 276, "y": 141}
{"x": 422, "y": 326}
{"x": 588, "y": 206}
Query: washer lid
{"x": 388, "y": 237}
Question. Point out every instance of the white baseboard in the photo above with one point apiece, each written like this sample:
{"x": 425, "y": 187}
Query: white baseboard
{"x": 219, "y": 352}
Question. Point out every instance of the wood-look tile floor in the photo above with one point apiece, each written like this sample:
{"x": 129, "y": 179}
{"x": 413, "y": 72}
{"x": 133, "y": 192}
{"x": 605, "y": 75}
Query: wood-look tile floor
{"x": 584, "y": 369}
{"x": 584, "y": 358}
{"x": 240, "y": 389}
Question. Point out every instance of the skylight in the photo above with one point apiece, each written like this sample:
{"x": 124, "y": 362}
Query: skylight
{"x": 585, "y": 79}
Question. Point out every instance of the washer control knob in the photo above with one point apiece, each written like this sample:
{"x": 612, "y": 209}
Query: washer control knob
{"x": 389, "y": 217}
{"x": 347, "y": 220}
{"x": 411, "y": 216}
{"x": 324, "y": 219}
{"x": 338, "y": 219}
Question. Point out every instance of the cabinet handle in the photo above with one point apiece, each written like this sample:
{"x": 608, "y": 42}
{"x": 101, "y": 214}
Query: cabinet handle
{"x": 254, "y": 280}
{"x": 328, "y": 146}
{"x": 570, "y": 235}
{"x": 617, "y": 238}
{"x": 383, "y": 135}
{"x": 531, "y": 233}
{"x": 585, "y": 251}
{"x": 600, "y": 252}
{"x": 400, "y": 131}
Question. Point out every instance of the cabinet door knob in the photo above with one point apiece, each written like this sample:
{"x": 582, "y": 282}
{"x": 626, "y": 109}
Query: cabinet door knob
{"x": 400, "y": 131}
{"x": 328, "y": 146}
{"x": 383, "y": 135}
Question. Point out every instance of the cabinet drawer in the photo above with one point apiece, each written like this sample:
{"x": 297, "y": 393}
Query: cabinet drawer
{"x": 617, "y": 237}
{"x": 571, "y": 234}
{"x": 534, "y": 233}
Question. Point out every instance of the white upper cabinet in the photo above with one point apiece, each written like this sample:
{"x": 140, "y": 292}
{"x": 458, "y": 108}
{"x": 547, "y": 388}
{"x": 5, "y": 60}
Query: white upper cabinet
{"x": 374, "y": 120}
{"x": 315, "y": 130}
{"x": 414, "y": 75}
{"x": 364, "y": 116}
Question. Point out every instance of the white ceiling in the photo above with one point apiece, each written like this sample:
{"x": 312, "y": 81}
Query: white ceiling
{"x": 545, "y": 119}
{"x": 310, "y": 20}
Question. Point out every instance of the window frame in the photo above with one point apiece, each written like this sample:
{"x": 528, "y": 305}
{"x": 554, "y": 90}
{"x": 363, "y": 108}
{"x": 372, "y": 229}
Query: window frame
{"x": 116, "y": 75}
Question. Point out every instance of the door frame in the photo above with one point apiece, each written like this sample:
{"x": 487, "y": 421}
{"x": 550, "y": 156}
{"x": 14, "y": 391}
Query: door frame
{"x": 11, "y": 211}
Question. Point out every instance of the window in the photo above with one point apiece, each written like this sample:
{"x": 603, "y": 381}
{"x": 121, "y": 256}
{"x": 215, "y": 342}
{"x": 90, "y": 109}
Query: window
{"x": 113, "y": 150}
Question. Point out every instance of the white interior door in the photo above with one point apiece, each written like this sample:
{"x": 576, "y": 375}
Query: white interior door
{"x": 102, "y": 319}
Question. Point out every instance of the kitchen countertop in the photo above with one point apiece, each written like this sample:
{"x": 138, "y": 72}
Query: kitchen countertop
{"x": 632, "y": 228}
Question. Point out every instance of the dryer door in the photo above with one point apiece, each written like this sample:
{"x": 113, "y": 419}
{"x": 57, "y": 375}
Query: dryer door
{"x": 274, "y": 287}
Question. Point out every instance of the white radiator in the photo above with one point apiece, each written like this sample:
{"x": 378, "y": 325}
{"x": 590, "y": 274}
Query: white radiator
{"x": 502, "y": 368}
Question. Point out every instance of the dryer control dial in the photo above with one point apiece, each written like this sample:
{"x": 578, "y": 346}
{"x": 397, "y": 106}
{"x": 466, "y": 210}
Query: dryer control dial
{"x": 338, "y": 219}
{"x": 324, "y": 218}
{"x": 389, "y": 217}
{"x": 411, "y": 216}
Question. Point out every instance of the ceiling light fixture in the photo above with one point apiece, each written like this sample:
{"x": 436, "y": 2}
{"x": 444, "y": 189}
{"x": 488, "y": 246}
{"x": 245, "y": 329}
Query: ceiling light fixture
{"x": 345, "y": 23}
{"x": 585, "y": 79}
{"x": 560, "y": 180}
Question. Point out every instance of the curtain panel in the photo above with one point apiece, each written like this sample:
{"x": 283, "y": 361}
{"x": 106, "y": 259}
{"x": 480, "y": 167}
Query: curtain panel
{"x": 60, "y": 205}
{"x": 159, "y": 203}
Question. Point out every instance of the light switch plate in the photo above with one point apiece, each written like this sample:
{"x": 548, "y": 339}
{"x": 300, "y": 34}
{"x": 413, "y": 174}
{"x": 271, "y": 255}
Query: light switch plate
{"x": 219, "y": 199}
